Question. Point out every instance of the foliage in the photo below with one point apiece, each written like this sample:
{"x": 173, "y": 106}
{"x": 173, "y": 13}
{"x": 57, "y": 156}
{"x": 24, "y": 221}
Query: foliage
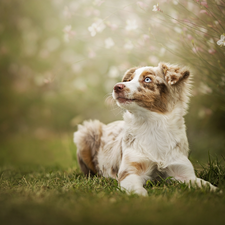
{"x": 58, "y": 64}
{"x": 214, "y": 171}
{"x": 187, "y": 32}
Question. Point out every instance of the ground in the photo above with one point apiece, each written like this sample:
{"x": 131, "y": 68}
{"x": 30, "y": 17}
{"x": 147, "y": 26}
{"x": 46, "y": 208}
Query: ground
{"x": 54, "y": 193}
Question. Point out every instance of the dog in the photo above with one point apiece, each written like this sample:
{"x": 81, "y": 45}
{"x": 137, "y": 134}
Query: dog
{"x": 151, "y": 142}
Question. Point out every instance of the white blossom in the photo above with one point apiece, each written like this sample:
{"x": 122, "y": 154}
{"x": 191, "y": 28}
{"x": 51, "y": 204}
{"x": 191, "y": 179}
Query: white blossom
{"x": 109, "y": 43}
{"x": 96, "y": 27}
{"x": 131, "y": 25}
{"x": 68, "y": 33}
{"x": 221, "y": 42}
{"x": 67, "y": 28}
{"x": 91, "y": 54}
{"x": 93, "y": 29}
{"x": 113, "y": 72}
{"x": 156, "y": 8}
{"x": 178, "y": 30}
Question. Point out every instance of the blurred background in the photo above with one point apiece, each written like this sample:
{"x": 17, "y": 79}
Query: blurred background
{"x": 59, "y": 60}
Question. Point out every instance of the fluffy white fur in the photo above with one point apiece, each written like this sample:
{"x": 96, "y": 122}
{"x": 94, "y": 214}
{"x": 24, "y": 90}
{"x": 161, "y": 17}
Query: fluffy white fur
{"x": 151, "y": 142}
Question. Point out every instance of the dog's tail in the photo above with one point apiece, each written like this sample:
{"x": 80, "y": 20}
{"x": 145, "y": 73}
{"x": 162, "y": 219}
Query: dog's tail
{"x": 88, "y": 141}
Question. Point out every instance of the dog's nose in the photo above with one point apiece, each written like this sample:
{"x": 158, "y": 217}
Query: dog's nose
{"x": 119, "y": 87}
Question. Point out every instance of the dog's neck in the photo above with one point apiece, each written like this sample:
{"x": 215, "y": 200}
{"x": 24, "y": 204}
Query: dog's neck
{"x": 143, "y": 122}
{"x": 161, "y": 132}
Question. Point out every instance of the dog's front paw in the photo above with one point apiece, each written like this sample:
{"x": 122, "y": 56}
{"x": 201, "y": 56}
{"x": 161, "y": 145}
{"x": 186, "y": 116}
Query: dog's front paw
{"x": 141, "y": 192}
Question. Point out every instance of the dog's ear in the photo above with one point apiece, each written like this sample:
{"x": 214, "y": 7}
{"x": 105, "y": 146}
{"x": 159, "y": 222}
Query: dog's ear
{"x": 174, "y": 75}
{"x": 129, "y": 74}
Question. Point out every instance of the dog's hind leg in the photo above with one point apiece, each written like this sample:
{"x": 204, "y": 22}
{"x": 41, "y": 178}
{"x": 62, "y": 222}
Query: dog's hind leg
{"x": 88, "y": 141}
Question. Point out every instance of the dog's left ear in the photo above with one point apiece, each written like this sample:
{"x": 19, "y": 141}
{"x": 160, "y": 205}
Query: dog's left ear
{"x": 174, "y": 74}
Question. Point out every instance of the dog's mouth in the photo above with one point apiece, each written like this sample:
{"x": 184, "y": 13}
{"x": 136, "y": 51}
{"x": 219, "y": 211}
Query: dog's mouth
{"x": 124, "y": 100}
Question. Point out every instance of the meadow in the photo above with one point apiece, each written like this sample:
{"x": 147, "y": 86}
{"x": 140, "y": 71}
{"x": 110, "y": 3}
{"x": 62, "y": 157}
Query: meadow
{"x": 59, "y": 61}
{"x": 54, "y": 193}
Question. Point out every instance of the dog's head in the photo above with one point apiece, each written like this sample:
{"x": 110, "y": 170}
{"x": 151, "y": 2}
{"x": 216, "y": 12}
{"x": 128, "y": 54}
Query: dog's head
{"x": 158, "y": 89}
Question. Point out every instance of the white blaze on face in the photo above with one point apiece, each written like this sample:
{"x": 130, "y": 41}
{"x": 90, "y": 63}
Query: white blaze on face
{"x": 134, "y": 84}
{"x": 131, "y": 86}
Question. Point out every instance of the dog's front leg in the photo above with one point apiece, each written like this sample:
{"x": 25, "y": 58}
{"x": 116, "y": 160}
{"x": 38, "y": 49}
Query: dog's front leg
{"x": 132, "y": 183}
{"x": 133, "y": 172}
{"x": 182, "y": 170}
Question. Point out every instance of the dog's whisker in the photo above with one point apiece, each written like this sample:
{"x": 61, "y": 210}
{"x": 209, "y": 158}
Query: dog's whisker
{"x": 113, "y": 106}
{"x": 117, "y": 111}
{"x": 109, "y": 100}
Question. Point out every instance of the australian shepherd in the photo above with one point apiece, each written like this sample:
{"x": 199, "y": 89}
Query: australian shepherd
{"x": 151, "y": 142}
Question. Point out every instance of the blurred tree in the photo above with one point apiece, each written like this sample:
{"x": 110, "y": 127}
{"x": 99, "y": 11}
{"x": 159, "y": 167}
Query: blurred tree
{"x": 60, "y": 59}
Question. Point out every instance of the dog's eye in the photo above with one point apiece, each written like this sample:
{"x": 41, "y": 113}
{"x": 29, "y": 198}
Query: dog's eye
{"x": 148, "y": 80}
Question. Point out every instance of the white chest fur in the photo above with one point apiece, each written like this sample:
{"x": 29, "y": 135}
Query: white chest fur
{"x": 158, "y": 137}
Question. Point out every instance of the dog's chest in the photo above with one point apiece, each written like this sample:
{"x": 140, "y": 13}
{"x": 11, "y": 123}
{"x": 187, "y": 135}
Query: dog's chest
{"x": 156, "y": 143}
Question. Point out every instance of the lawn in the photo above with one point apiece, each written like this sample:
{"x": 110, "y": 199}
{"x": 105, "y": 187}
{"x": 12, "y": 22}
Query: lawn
{"x": 52, "y": 192}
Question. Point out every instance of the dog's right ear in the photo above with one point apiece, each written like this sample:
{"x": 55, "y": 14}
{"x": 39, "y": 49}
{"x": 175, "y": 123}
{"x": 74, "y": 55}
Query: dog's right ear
{"x": 173, "y": 74}
{"x": 129, "y": 74}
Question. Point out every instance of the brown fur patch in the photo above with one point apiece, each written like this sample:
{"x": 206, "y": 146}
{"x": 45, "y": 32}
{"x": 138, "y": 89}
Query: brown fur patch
{"x": 129, "y": 75}
{"x": 133, "y": 168}
{"x": 174, "y": 74}
{"x": 139, "y": 89}
{"x": 114, "y": 171}
{"x": 178, "y": 84}
{"x": 123, "y": 175}
{"x": 113, "y": 135}
{"x": 83, "y": 166}
{"x": 174, "y": 78}
{"x": 86, "y": 158}
{"x": 147, "y": 72}
{"x": 164, "y": 68}
{"x": 97, "y": 138}
{"x": 185, "y": 74}
{"x": 129, "y": 139}
{"x": 178, "y": 145}
{"x": 139, "y": 167}
{"x": 121, "y": 150}
{"x": 152, "y": 96}
{"x": 150, "y": 85}
{"x": 88, "y": 145}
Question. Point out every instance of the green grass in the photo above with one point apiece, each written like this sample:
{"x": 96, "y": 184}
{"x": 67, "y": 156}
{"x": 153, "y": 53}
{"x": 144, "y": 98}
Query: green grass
{"x": 53, "y": 193}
